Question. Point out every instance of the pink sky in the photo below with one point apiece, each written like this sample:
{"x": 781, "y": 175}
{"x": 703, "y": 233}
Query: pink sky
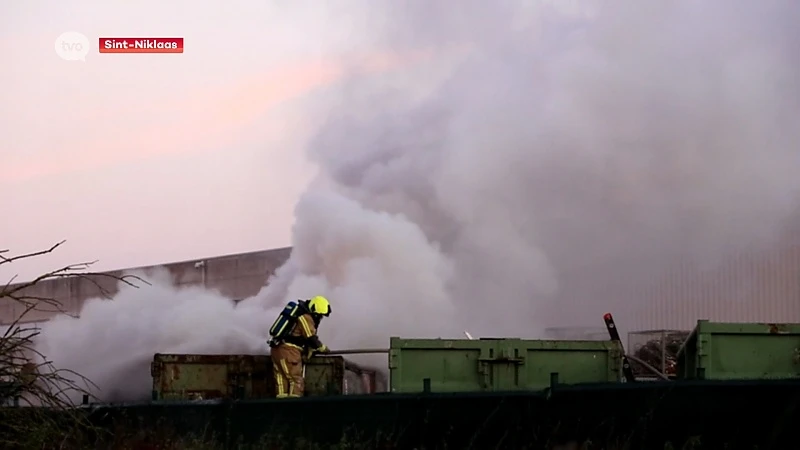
{"x": 142, "y": 159}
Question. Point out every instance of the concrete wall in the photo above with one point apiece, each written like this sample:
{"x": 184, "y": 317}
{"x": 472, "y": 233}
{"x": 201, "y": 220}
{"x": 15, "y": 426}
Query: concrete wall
{"x": 235, "y": 276}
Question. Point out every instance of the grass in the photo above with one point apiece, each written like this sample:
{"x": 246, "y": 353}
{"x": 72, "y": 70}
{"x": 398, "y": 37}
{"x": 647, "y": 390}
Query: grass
{"x": 35, "y": 428}
{"x": 52, "y": 434}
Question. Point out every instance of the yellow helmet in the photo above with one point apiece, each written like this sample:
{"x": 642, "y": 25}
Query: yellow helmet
{"x": 319, "y": 305}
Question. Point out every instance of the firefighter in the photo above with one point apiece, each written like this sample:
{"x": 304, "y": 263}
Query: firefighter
{"x": 302, "y": 341}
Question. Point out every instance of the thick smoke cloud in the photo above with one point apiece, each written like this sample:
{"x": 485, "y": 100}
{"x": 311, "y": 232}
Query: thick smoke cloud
{"x": 561, "y": 163}
{"x": 113, "y": 342}
{"x": 568, "y": 161}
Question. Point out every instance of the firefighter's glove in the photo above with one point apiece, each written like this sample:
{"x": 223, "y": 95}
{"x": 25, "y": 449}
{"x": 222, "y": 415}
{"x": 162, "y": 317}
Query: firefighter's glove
{"x": 323, "y": 349}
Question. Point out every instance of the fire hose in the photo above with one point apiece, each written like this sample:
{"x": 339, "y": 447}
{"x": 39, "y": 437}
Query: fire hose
{"x": 649, "y": 368}
{"x": 358, "y": 351}
{"x": 355, "y": 351}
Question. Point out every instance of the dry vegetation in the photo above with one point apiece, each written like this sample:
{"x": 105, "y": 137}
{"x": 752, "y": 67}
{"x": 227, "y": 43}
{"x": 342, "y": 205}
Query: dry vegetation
{"x": 29, "y": 378}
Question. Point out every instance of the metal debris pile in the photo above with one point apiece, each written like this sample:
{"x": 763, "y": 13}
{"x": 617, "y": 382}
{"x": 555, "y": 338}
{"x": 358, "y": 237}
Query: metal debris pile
{"x": 651, "y": 353}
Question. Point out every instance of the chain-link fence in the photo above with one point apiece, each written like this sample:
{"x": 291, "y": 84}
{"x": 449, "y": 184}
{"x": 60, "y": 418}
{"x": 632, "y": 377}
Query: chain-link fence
{"x": 659, "y": 348}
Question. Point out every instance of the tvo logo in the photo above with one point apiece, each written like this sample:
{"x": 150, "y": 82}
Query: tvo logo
{"x": 72, "y": 46}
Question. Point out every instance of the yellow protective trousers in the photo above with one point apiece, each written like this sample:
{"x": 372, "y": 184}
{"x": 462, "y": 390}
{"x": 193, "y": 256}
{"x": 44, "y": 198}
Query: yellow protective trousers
{"x": 287, "y": 365}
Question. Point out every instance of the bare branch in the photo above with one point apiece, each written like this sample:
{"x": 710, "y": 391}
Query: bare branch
{"x": 28, "y": 376}
{"x": 5, "y": 260}
{"x": 70, "y": 270}
{"x": 76, "y": 271}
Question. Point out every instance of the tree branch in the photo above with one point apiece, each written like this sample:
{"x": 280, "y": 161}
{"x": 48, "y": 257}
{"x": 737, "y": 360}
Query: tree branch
{"x": 6, "y": 260}
{"x": 28, "y": 376}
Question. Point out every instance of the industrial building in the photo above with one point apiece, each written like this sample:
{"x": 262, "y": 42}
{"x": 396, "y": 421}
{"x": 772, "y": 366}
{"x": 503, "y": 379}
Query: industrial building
{"x": 234, "y": 276}
{"x": 756, "y": 287}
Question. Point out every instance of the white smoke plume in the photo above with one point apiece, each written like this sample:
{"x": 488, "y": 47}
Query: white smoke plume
{"x": 565, "y": 160}
{"x": 113, "y": 342}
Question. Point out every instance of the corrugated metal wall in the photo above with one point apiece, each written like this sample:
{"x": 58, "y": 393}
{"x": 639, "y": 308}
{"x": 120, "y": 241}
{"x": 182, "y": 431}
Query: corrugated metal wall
{"x": 761, "y": 286}
{"x": 750, "y": 287}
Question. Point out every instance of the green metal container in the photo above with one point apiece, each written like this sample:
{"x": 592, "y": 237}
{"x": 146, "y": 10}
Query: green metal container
{"x": 196, "y": 377}
{"x": 740, "y": 351}
{"x": 462, "y": 365}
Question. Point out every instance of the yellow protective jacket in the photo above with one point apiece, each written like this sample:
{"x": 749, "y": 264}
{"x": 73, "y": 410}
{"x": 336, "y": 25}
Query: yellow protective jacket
{"x": 304, "y": 334}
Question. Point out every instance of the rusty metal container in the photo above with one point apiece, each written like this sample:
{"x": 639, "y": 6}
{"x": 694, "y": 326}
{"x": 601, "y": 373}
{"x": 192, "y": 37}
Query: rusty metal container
{"x": 205, "y": 377}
